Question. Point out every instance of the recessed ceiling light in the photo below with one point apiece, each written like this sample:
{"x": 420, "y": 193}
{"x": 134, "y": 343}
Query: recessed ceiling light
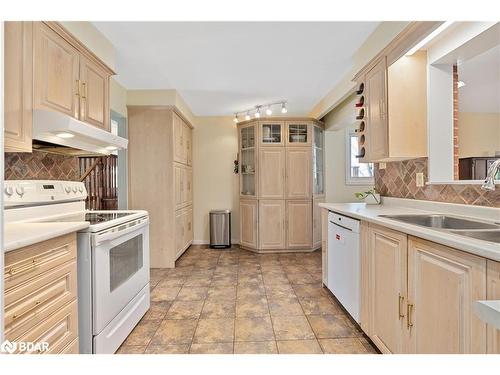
{"x": 65, "y": 135}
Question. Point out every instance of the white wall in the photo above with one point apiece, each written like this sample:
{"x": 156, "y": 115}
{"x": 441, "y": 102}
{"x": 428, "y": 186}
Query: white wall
{"x": 215, "y": 186}
{"x": 337, "y": 123}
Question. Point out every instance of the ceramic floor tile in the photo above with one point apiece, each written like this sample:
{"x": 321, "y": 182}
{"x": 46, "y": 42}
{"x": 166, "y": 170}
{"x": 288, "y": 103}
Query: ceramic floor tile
{"x": 331, "y": 326}
{"x": 299, "y": 347}
{"x": 224, "y": 280}
{"x": 215, "y": 308}
{"x": 131, "y": 349}
{"x": 222, "y": 292}
{"x": 167, "y": 349}
{"x": 245, "y": 291}
{"x": 164, "y": 293}
{"x": 300, "y": 278}
{"x": 309, "y": 290}
{"x": 192, "y": 293}
{"x": 175, "y": 332}
{"x": 262, "y": 347}
{"x": 343, "y": 346}
{"x": 157, "y": 310}
{"x": 285, "y": 307}
{"x": 254, "y": 329}
{"x": 292, "y": 328}
{"x": 280, "y": 291}
{"x": 213, "y": 348}
{"x": 201, "y": 281}
{"x": 252, "y": 307}
{"x": 214, "y": 330}
{"x": 172, "y": 281}
{"x": 320, "y": 306}
{"x": 143, "y": 332}
{"x": 185, "y": 310}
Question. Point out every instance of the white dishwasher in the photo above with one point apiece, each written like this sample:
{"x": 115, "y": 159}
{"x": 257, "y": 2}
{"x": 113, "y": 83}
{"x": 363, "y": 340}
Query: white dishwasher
{"x": 344, "y": 261}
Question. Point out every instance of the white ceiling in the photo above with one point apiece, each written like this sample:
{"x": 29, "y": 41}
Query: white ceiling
{"x": 223, "y": 67}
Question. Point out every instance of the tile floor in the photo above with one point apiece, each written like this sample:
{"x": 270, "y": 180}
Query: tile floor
{"x": 235, "y": 301}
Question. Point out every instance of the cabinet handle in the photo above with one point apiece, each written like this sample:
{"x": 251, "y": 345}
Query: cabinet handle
{"x": 77, "y": 87}
{"x": 15, "y": 271}
{"x": 409, "y": 311}
{"x": 401, "y": 300}
{"x": 84, "y": 95}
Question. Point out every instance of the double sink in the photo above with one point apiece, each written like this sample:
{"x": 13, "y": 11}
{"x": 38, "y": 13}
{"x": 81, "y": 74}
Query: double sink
{"x": 464, "y": 227}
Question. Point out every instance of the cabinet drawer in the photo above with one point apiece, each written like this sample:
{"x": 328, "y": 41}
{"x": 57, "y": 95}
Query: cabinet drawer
{"x": 58, "y": 331}
{"x": 30, "y": 303}
{"x": 31, "y": 261}
{"x": 72, "y": 348}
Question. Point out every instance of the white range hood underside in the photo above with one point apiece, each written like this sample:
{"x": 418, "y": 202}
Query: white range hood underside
{"x": 47, "y": 124}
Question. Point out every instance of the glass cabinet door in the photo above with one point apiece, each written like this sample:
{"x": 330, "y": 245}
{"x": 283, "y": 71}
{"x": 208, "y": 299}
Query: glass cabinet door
{"x": 298, "y": 134}
{"x": 247, "y": 160}
{"x": 271, "y": 133}
{"x": 318, "y": 161}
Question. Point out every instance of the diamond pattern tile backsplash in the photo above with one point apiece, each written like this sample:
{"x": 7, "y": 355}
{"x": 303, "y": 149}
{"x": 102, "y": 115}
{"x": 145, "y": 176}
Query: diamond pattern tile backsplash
{"x": 398, "y": 180}
{"x": 40, "y": 166}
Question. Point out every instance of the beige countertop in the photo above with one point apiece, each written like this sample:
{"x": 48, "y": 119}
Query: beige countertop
{"x": 17, "y": 235}
{"x": 371, "y": 213}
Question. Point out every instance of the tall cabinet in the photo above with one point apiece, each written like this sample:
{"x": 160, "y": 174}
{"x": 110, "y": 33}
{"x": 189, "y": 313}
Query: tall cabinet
{"x": 161, "y": 178}
{"x": 281, "y": 184}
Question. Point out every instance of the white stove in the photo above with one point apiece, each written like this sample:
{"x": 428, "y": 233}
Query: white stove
{"x": 113, "y": 257}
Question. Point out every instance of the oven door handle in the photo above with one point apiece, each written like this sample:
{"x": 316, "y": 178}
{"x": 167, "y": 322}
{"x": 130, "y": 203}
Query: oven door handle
{"x": 113, "y": 233}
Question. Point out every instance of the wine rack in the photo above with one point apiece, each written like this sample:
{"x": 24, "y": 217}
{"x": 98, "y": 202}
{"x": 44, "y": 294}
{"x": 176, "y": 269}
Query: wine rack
{"x": 361, "y": 118}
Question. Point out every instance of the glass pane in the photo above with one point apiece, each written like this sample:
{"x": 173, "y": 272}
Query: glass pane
{"x": 297, "y": 133}
{"x": 271, "y": 133}
{"x": 248, "y": 137}
{"x": 361, "y": 170}
{"x": 318, "y": 137}
{"x": 318, "y": 181}
{"x": 124, "y": 261}
{"x": 248, "y": 171}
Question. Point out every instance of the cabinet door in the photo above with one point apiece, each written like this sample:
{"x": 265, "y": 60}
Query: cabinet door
{"x": 188, "y": 186}
{"x": 318, "y": 162}
{"x": 317, "y": 222}
{"x": 248, "y": 159}
{"x": 365, "y": 303}
{"x": 18, "y": 75}
{"x": 272, "y": 133}
{"x": 188, "y": 227}
{"x": 178, "y": 127}
{"x": 324, "y": 245}
{"x": 272, "y": 172}
{"x": 56, "y": 66}
{"x": 272, "y": 224}
{"x": 94, "y": 95}
{"x": 298, "y": 224}
{"x": 188, "y": 137}
{"x": 178, "y": 186}
{"x": 248, "y": 223}
{"x": 493, "y": 293}
{"x": 298, "y": 133}
{"x": 443, "y": 285}
{"x": 298, "y": 173}
{"x": 180, "y": 234}
{"x": 387, "y": 263}
{"x": 376, "y": 124}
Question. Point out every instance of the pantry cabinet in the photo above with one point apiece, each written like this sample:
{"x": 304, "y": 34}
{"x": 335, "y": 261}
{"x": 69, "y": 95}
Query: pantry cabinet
{"x": 281, "y": 169}
{"x": 159, "y": 182}
{"x": 48, "y": 68}
{"x": 417, "y": 296}
{"x": 41, "y": 294}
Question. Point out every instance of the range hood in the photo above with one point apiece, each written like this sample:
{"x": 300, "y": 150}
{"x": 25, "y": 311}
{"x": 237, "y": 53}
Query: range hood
{"x": 63, "y": 130}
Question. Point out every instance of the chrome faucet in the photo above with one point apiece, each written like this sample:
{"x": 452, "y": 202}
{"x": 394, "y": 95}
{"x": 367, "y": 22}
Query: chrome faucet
{"x": 489, "y": 182}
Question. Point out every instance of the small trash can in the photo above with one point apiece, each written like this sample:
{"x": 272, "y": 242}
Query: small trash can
{"x": 220, "y": 228}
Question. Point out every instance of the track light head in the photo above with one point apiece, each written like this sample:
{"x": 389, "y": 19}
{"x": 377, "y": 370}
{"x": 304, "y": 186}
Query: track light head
{"x": 269, "y": 111}
{"x": 257, "y": 112}
{"x": 247, "y": 116}
{"x": 283, "y": 108}
{"x": 235, "y": 119}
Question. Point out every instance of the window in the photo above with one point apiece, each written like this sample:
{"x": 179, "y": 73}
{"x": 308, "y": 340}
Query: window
{"x": 356, "y": 173}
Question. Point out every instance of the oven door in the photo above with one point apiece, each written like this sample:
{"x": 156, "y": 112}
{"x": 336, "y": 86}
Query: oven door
{"x": 120, "y": 269}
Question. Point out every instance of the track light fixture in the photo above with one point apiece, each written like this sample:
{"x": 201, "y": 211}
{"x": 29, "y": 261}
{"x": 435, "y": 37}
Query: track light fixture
{"x": 256, "y": 110}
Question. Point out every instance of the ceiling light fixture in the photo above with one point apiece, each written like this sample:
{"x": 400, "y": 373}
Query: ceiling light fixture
{"x": 247, "y": 116}
{"x": 235, "y": 118}
{"x": 283, "y": 108}
{"x": 269, "y": 111}
{"x": 429, "y": 37}
{"x": 65, "y": 135}
{"x": 256, "y": 111}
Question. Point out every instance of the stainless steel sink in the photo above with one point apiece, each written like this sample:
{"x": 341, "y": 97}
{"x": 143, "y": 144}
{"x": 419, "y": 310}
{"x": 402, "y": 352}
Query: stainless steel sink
{"x": 437, "y": 221}
{"x": 485, "y": 235}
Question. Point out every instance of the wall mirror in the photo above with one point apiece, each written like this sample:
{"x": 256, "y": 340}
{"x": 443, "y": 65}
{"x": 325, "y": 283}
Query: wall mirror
{"x": 464, "y": 102}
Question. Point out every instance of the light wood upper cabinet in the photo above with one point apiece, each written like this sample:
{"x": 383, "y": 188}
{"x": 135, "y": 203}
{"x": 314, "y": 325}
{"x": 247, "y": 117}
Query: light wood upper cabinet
{"x": 298, "y": 173}
{"x": 188, "y": 186}
{"x": 493, "y": 293}
{"x": 94, "y": 98}
{"x": 298, "y": 133}
{"x": 298, "y": 224}
{"x": 272, "y": 133}
{"x": 188, "y": 144}
{"x": 443, "y": 285}
{"x": 179, "y": 181}
{"x": 387, "y": 262}
{"x": 272, "y": 224}
{"x": 18, "y": 76}
{"x": 57, "y": 72}
{"x": 179, "y": 150}
{"x": 272, "y": 173}
{"x": 248, "y": 222}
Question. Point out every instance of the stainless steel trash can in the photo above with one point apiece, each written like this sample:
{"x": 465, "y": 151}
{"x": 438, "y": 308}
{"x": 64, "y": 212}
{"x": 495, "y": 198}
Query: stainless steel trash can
{"x": 220, "y": 228}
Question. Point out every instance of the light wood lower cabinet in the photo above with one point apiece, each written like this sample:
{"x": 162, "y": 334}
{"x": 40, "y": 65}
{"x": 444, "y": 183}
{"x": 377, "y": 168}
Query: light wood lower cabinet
{"x": 493, "y": 293}
{"x": 183, "y": 230}
{"x": 324, "y": 246}
{"x": 387, "y": 263}
{"x": 41, "y": 294}
{"x": 298, "y": 224}
{"x": 316, "y": 224}
{"x": 272, "y": 224}
{"x": 418, "y": 296}
{"x": 248, "y": 222}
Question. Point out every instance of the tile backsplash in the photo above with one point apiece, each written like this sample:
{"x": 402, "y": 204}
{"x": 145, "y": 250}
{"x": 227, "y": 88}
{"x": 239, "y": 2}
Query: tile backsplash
{"x": 40, "y": 165}
{"x": 398, "y": 180}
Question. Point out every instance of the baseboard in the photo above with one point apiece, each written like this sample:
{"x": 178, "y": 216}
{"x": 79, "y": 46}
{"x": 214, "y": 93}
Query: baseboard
{"x": 206, "y": 242}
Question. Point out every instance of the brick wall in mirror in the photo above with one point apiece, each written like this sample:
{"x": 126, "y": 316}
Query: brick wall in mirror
{"x": 398, "y": 180}
{"x": 40, "y": 165}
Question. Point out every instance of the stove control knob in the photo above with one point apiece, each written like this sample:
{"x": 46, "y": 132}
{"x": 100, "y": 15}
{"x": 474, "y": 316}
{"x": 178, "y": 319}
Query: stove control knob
{"x": 75, "y": 189}
{"x": 20, "y": 191}
{"x": 67, "y": 189}
{"x": 9, "y": 190}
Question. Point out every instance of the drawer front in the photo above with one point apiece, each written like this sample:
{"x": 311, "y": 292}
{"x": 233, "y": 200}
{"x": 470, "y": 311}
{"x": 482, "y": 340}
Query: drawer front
{"x": 28, "y": 262}
{"x": 72, "y": 348}
{"x": 30, "y": 303}
{"x": 59, "y": 330}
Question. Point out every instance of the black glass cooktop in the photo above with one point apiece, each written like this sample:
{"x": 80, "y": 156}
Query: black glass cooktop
{"x": 93, "y": 217}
